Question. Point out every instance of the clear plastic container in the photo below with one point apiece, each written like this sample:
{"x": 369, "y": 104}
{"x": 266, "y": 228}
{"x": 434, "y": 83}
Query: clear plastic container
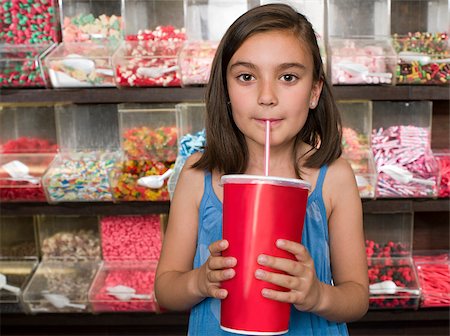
{"x": 60, "y": 286}
{"x": 17, "y": 272}
{"x": 153, "y": 19}
{"x": 21, "y": 177}
{"x": 87, "y": 20}
{"x": 403, "y": 291}
{"x": 26, "y": 128}
{"x": 362, "y": 61}
{"x": 69, "y": 237}
{"x": 29, "y": 22}
{"x": 365, "y": 173}
{"x": 195, "y": 60}
{"x": 356, "y": 118}
{"x": 18, "y": 238}
{"x": 401, "y": 148}
{"x": 20, "y": 65}
{"x": 147, "y": 63}
{"x": 350, "y": 18}
{"x": 208, "y": 20}
{"x": 80, "y": 65}
{"x": 124, "y": 287}
{"x": 388, "y": 235}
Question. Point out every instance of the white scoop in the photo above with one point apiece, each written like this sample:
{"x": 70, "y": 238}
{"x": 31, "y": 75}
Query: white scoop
{"x": 78, "y": 62}
{"x": 403, "y": 175}
{"x": 357, "y": 69}
{"x": 389, "y": 287}
{"x": 125, "y": 293}
{"x": 5, "y": 286}
{"x": 408, "y": 56}
{"x": 19, "y": 172}
{"x": 154, "y": 181}
{"x": 154, "y": 72}
{"x": 61, "y": 301}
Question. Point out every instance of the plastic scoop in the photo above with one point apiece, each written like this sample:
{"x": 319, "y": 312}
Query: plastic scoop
{"x": 79, "y": 62}
{"x": 61, "y": 301}
{"x": 357, "y": 69}
{"x": 267, "y": 149}
{"x": 154, "y": 72}
{"x": 5, "y": 286}
{"x": 19, "y": 172}
{"x": 403, "y": 175}
{"x": 423, "y": 59}
{"x": 389, "y": 287}
{"x": 154, "y": 181}
{"x": 125, "y": 293}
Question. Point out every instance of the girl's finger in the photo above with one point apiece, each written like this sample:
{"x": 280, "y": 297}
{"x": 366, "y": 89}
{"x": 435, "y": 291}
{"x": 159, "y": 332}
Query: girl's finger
{"x": 299, "y": 250}
{"x": 282, "y": 280}
{"x": 218, "y": 276}
{"x": 290, "y": 297}
{"x": 217, "y": 263}
{"x": 218, "y": 246}
{"x": 289, "y": 266}
{"x": 218, "y": 293}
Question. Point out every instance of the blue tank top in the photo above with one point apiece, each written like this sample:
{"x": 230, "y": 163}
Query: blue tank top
{"x": 205, "y": 316}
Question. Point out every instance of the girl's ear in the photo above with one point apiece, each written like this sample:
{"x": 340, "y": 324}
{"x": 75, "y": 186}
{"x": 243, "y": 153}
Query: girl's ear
{"x": 315, "y": 93}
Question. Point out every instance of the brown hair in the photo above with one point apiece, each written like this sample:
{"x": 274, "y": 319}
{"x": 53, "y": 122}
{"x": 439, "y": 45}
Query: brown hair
{"x": 226, "y": 149}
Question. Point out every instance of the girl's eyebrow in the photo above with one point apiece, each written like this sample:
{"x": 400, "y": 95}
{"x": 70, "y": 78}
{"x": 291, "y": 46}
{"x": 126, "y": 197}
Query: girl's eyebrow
{"x": 282, "y": 66}
{"x": 243, "y": 64}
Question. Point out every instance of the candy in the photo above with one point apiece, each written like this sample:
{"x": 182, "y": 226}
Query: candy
{"x": 195, "y": 62}
{"x": 76, "y": 245}
{"x": 29, "y": 145}
{"x": 444, "y": 172}
{"x": 87, "y": 27}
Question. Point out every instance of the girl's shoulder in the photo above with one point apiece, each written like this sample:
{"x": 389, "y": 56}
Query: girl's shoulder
{"x": 190, "y": 183}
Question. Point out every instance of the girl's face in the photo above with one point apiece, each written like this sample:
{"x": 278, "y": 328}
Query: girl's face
{"x": 270, "y": 77}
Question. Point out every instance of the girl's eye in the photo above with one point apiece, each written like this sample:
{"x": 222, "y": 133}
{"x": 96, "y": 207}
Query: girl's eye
{"x": 289, "y": 78}
{"x": 245, "y": 77}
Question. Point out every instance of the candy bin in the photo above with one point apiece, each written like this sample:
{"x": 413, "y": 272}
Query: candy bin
{"x": 14, "y": 275}
{"x": 131, "y": 246}
{"x": 26, "y": 128}
{"x": 352, "y": 18}
{"x": 433, "y": 271}
{"x": 443, "y": 158}
{"x": 153, "y": 20}
{"x": 124, "y": 286}
{"x": 21, "y": 67}
{"x": 89, "y": 148}
{"x": 191, "y": 136}
{"x": 357, "y": 127}
{"x": 195, "y": 60}
{"x": 74, "y": 65}
{"x": 86, "y": 21}
{"x": 401, "y": 148}
{"x": 421, "y": 42}
{"x": 208, "y": 20}
{"x": 147, "y": 63}
{"x": 21, "y": 177}
{"x": 18, "y": 237}
{"x": 60, "y": 286}
{"x": 148, "y": 135}
{"x": 362, "y": 61}
{"x": 28, "y": 22}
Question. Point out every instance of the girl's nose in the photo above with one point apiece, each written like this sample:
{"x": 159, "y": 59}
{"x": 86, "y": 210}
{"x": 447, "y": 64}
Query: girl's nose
{"x": 267, "y": 94}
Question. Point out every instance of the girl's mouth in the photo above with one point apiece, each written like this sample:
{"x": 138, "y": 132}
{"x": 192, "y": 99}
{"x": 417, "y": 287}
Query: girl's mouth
{"x": 273, "y": 122}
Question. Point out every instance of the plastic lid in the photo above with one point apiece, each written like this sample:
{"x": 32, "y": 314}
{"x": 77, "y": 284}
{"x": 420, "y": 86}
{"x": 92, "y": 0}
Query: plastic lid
{"x": 256, "y": 179}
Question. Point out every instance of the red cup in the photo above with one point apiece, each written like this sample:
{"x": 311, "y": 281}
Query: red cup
{"x": 258, "y": 210}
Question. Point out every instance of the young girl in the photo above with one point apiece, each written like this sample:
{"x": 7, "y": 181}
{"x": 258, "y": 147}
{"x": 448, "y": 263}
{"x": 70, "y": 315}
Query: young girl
{"x": 268, "y": 67}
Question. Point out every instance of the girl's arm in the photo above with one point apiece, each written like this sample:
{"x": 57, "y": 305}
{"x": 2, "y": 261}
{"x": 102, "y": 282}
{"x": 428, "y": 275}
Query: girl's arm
{"x": 177, "y": 285}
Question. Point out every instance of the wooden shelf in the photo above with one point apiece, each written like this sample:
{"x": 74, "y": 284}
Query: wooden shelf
{"x": 174, "y": 95}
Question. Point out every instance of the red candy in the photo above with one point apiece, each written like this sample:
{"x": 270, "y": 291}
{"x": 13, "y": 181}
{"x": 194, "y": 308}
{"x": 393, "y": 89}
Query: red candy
{"x": 28, "y": 145}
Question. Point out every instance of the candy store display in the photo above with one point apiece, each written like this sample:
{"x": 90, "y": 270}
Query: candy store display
{"x": 433, "y": 271}
{"x": 21, "y": 177}
{"x": 79, "y": 177}
{"x": 20, "y": 65}
{"x": 74, "y": 65}
{"x": 60, "y": 286}
{"x": 86, "y": 21}
{"x": 362, "y": 61}
{"x": 27, "y": 128}
{"x": 443, "y": 159}
{"x": 133, "y": 237}
{"x": 124, "y": 287}
{"x": 15, "y": 274}
{"x": 18, "y": 237}
{"x": 28, "y": 22}
{"x": 195, "y": 60}
{"x": 423, "y": 58}
{"x": 401, "y": 148}
{"x": 350, "y": 18}
{"x": 393, "y": 284}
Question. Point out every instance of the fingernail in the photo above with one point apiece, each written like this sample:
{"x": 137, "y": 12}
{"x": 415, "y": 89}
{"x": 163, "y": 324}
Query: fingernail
{"x": 262, "y": 259}
{"x": 265, "y": 292}
{"x": 231, "y": 261}
{"x": 223, "y": 243}
{"x": 259, "y": 274}
{"x": 229, "y": 273}
{"x": 280, "y": 242}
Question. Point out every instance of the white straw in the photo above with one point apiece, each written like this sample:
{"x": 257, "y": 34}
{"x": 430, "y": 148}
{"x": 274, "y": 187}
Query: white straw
{"x": 267, "y": 149}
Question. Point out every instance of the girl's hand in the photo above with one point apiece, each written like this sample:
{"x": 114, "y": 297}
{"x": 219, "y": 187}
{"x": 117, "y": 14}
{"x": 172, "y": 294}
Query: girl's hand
{"x": 300, "y": 278}
{"x": 215, "y": 270}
